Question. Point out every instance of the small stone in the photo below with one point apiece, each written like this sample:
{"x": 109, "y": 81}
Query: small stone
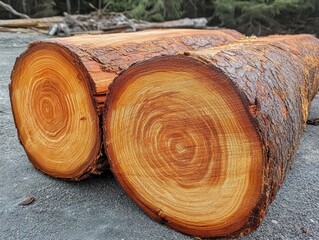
{"x": 274, "y": 221}
{"x": 305, "y": 230}
{"x": 27, "y": 201}
{"x": 311, "y": 220}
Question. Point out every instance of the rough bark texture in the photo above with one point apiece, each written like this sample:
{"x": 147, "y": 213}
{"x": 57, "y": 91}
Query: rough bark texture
{"x": 105, "y": 56}
{"x": 279, "y": 76}
{"x": 98, "y": 60}
{"x": 276, "y": 79}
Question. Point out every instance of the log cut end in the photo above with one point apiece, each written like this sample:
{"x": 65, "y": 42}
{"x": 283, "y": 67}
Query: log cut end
{"x": 182, "y": 143}
{"x": 53, "y": 111}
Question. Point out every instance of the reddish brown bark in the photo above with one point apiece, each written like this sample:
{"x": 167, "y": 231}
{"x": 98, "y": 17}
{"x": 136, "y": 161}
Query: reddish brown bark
{"x": 105, "y": 56}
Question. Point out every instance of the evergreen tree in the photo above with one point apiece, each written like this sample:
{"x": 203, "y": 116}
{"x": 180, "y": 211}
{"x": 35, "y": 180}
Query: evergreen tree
{"x": 266, "y": 16}
{"x": 150, "y": 10}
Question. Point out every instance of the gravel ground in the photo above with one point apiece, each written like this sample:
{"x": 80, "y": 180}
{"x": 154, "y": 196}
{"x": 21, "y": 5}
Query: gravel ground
{"x": 98, "y": 208}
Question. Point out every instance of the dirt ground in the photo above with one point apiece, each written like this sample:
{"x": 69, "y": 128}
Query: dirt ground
{"x": 99, "y": 209}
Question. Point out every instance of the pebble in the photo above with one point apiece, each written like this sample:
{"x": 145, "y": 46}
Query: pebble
{"x": 305, "y": 230}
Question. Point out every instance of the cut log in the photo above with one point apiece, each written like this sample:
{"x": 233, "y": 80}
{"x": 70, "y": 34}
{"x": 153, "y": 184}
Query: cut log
{"x": 203, "y": 141}
{"x": 59, "y": 86}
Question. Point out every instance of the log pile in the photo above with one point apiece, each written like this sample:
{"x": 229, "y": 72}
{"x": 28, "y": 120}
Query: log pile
{"x": 93, "y": 23}
{"x": 199, "y": 127}
{"x": 60, "y": 86}
{"x": 118, "y": 22}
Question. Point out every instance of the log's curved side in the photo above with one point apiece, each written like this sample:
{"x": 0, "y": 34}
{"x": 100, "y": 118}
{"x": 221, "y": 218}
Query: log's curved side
{"x": 279, "y": 75}
{"x": 59, "y": 86}
{"x": 203, "y": 141}
{"x": 105, "y": 56}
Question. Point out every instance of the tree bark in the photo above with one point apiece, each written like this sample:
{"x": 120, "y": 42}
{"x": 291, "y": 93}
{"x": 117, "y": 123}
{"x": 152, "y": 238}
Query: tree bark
{"x": 202, "y": 141}
{"x": 68, "y": 6}
{"x": 59, "y": 87}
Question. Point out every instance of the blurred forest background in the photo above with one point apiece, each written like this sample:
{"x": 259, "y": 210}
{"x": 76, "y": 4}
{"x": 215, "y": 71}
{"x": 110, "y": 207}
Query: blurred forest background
{"x": 258, "y": 17}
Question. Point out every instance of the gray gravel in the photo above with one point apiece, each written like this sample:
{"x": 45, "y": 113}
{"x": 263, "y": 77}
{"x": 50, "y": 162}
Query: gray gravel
{"x": 99, "y": 209}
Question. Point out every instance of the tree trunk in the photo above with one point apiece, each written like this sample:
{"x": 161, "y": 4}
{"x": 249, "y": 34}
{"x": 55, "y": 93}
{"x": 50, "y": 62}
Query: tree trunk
{"x": 68, "y": 6}
{"x": 59, "y": 86}
{"x": 24, "y": 6}
{"x": 202, "y": 141}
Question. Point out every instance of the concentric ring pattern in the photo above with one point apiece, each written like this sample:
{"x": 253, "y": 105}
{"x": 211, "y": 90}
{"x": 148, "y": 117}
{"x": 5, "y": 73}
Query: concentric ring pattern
{"x": 53, "y": 110}
{"x": 183, "y": 146}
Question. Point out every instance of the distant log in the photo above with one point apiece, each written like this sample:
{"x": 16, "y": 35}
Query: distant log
{"x": 180, "y": 23}
{"x": 42, "y": 23}
{"x": 203, "y": 141}
{"x": 120, "y": 23}
{"x": 59, "y": 86}
{"x": 23, "y": 30}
